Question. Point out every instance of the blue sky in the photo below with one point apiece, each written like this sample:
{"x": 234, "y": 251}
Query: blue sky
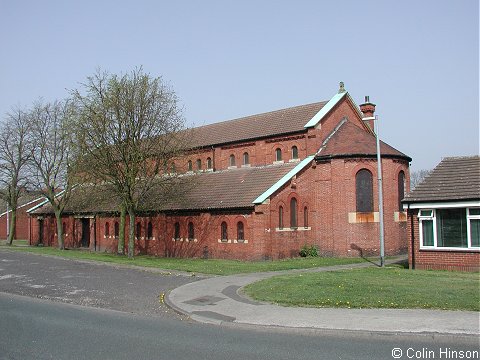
{"x": 417, "y": 60}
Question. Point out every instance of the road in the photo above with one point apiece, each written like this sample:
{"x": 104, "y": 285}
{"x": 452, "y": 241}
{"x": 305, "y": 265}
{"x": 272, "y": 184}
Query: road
{"x": 32, "y": 326}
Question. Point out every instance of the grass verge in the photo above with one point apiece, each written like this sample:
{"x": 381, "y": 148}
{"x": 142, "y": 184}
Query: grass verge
{"x": 373, "y": 287}
{"x": 210, "y": 266}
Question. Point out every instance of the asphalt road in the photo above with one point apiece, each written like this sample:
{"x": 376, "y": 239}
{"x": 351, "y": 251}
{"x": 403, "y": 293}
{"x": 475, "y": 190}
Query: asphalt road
{"x": 52, "y": 308}
{"x": 39, "y": 329}
{"x": 88, "y": 283}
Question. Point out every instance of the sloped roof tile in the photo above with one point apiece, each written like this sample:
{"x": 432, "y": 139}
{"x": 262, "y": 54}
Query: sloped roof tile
{"x": 454, "y": 178}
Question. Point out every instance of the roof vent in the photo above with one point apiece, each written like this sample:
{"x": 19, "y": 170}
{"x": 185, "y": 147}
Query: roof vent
{"x": 342, "y": 88}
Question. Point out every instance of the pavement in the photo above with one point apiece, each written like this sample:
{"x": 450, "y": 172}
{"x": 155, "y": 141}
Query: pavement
{"x": 219, "y": 300}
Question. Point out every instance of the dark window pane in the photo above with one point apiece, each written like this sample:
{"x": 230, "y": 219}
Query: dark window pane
{"x": 209, "y": 163}
{"x": 191, "y": 231}
{"x": 224, "y": 234}
{"x": 427, "y": 232}
{"x": 475, "y": 232}
{"x": 475, "y": 211}
{"x": 149, "y": 230}
{"x": 364, "y": 189}
{"x": 177, "y": 231}
{"x": 190, "y": 165}
{"x": 139, "y": 230}
{"x": 199, "y": 164}
{"x": 451, "y": 228}
{"x": 240, "y": 233}
{"x": 294, "y": 152}
{"x": 107, "y": 229}
{"x": 232, "y": 160}
{"x": 117, "y": 229}
{"x": 305, "y": 217}
{"x": 425, "y": 212}
{"x": 278, "y": 154}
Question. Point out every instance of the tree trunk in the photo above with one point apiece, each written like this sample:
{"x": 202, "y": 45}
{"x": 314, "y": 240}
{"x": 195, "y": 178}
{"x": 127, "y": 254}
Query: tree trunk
{"x": 12, "y": 227}
{"x": 121, "y": 232}
{"x": 61, "y": 244}
{"x": 131, "y": 233}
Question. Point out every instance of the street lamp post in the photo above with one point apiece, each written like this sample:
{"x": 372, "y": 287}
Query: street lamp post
{"x": 380, "y": 189}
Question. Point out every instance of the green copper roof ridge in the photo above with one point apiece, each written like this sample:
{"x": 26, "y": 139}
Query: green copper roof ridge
{"x": 283, "y": 180}
{"x": 325, "y": 110}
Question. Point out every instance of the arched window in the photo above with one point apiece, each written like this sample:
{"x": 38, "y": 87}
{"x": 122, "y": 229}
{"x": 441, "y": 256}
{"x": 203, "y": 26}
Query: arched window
{"x": 116, "y": 229}
{"x": 176, "y": 234}
{"x": 280, "y": 217}
{"x": 190, "y": 166}
{"x": 199, "y": 164}
{"x": 139, "y": 230}
{"x": 305, "y": 217}
{"x": 191, "y": 231}
{"x": 224, "y": 232}
{"x": 232, "y": 160}
{"x": 107, "y": 229}
{"x": 294, "y": 152}
{"x": 364, "y": 191}
{"x": 172, "y": 168}
{"x": 240, "y": 231}
{"x": 209, "y": 163}
{"x": 293, "y": 213}
{"x": 246, "y": 159}
{"x": 278, "y": 154}
{"x": 149, "y": 230}
{"x": 401, "y": 189}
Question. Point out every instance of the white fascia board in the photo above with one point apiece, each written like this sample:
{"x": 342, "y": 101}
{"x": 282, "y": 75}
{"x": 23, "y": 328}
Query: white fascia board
{"x": 442, "y": 205}
{"x": 324, "y": 111}
{"x": 26, "y": 204}
{"x": 283, "y": 180}
{"x": 44, "y": 202}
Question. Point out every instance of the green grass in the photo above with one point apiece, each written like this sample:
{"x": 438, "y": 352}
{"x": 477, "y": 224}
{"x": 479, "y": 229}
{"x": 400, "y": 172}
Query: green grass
{"x": 210, "y": 266}
{"x": 391, "y": 287}
{"x": 15, "y": 242}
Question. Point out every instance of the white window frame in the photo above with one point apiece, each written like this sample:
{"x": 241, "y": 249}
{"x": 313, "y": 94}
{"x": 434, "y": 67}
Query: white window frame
{"x": 433, "y": 217}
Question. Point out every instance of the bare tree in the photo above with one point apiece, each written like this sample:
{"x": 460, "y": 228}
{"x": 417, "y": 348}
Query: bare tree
{"x": 53, "y": 156}
{"x": 15, "y": 151}
{"x": 417, "y": 176}
{"x": 129, "y": 128}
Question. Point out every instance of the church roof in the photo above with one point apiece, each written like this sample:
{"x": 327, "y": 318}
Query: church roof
{"x": 349, "y": 140}
{"x": 229, "y": 189}
{"x": 455, "y": 178}
{"x": 279, "y": 122}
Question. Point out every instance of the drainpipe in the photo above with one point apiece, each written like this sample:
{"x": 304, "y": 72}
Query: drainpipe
{"x": 213, "y": 159}
{"x": 95, "y": 232}
{"x": 412, "y": 237}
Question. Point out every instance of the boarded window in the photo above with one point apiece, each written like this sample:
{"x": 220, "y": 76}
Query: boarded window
{"x": 232, "y": 160}
{"x": 293, "y": 213}
{"x": 280, "y": 217}
{"x": 364, "y": 191}
{"x": 199, "y": 164}
{"x": 401, "y": 189}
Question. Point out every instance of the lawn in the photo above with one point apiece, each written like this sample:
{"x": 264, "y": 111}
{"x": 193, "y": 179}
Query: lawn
{"x": 373, "y": 287}
{"x": 210, "y": 266}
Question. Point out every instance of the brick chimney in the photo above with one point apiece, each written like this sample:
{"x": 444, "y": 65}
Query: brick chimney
{"x": 368, "y": 110}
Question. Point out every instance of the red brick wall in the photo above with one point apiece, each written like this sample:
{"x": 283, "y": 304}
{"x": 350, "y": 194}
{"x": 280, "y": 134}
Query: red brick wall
{"x": 437, "y": 259}
{"x": 22, "y": 223}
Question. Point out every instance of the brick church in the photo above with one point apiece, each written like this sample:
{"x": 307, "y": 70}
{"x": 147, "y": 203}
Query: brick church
{"x": 261, "y": 187}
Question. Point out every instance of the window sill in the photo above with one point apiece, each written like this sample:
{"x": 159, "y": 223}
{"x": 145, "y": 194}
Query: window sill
{"x": 294, "y": 160}
{"x": 232, "y": 167}
{"x": 448, "y": 249}
{"x": 186, "y": 240}
{"x": 277, "y": 162}
{"x": 232, "y": 241}
{"x": 300, "y": 228}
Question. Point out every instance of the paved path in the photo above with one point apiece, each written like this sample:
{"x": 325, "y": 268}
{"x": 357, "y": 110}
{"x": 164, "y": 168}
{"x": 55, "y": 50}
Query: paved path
{"x": 218, "y": 300}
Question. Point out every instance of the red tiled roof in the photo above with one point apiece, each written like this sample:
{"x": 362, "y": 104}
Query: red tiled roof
{"x": 455, "y": 178}
{"x": 230, "y": 189}
{"x": 350, "y": 140}
{"x": 284, "y": 121}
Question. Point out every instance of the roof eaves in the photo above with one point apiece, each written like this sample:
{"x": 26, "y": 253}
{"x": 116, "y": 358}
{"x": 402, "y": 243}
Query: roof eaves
{"x": 283, "y": 180}
{"x": 325, "y": 110}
